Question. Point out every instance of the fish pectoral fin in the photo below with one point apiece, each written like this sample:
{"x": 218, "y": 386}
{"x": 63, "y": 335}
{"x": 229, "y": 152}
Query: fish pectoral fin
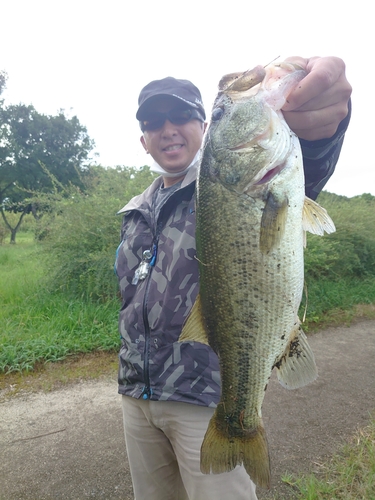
{"x": 272, "y": 226}
{"x": 315, "y": 218}
{"x": 194, "y": 328}
{"x": 297, "y": 367}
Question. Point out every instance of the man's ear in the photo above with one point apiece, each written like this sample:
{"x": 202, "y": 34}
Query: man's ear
{"x": 143, "y": 142}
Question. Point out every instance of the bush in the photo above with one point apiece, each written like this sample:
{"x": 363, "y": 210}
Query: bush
{"x": 81, "y": 236}
{"x": 350, "y": 251}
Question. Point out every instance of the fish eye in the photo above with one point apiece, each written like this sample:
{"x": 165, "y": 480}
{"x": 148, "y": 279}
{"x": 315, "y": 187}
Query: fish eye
{"x": 217, "y": 114}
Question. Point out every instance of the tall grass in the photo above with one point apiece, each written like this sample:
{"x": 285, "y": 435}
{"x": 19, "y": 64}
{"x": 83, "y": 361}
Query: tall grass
{"x": 325, "y": 299}
{"x": 19, "y": 270}
{"x": 39, "y": 326}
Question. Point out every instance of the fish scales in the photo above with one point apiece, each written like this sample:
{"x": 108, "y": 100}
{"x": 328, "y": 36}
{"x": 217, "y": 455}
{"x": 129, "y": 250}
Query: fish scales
{"x": 250, "y": 236}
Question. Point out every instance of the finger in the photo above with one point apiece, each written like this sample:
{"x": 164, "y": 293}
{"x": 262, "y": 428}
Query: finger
{"x": 323, "y": 74}
{"x": 316, "y": 124}
{"x": 335, "y": 95}
{"x": 324, "y": 132}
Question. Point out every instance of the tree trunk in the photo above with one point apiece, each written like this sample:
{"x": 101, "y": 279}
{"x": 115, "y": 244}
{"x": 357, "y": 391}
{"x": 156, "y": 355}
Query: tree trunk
{"x": 13, "y": 230}
{"x": 13, "y": 233}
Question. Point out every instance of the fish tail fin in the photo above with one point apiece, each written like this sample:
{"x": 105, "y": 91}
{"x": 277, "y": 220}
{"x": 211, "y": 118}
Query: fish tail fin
{"x": 222, "y": 453}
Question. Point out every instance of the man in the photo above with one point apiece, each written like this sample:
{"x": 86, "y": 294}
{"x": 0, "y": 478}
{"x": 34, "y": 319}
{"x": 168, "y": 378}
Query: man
{"x": 170, "y": 388}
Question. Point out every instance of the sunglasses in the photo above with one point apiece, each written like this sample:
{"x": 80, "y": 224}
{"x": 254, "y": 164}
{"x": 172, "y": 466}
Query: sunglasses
{"x": 176, "y": 116}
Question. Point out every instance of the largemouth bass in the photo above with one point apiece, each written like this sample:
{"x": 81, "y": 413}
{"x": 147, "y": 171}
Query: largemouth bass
{"x": 251, "y": 217}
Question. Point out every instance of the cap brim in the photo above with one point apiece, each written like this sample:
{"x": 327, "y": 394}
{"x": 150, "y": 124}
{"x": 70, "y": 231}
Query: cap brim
{"x": 144, "y": 107}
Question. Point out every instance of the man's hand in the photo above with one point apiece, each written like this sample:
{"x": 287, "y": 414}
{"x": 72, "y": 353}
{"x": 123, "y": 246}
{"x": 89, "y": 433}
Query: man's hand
{"x": 319, "y": 103}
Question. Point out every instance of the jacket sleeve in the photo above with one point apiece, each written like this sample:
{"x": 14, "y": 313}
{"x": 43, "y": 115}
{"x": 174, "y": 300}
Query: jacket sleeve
{"x": 320, "y": 158}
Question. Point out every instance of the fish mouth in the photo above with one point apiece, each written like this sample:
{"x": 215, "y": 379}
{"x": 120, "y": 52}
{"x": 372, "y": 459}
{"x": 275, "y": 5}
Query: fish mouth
{"x": 269, "y": 174}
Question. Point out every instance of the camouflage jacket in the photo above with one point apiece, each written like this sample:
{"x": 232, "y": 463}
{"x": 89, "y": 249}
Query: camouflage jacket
{"x": 152, "y": 363}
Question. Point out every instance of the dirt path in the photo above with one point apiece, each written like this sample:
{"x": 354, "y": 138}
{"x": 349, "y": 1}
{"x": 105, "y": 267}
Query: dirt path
{"x": 68, "y": 444}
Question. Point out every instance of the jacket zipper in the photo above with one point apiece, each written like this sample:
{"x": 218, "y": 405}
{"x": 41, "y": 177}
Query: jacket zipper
{"x": 147, "y": 391}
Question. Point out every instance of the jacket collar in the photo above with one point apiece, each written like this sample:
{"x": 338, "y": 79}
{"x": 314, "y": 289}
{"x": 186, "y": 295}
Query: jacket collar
{"x": 138, "y": 201}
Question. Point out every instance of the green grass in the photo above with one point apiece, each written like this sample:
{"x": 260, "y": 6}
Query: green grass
{"x": 20, "y": 269}
{"x": 349, "y": 475}
{"x": 38, "y": 326}
{"x": 334, "y": 301}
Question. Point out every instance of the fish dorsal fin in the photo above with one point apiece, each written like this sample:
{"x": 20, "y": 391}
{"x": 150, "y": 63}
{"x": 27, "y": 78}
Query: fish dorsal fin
{"x": 315, "y": 218}
{"x": 272, "y": 225}
{"x": 194, "y": 328}
{"x": 297, "y": 367}
{"x": 239, "y": 82}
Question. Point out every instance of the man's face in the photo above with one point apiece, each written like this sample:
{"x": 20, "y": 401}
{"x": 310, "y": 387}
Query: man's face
{"x": 173, "y": 147}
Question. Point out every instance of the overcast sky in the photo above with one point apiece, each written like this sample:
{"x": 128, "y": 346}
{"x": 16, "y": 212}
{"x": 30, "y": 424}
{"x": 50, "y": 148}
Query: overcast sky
{"x": 92, "y": 58}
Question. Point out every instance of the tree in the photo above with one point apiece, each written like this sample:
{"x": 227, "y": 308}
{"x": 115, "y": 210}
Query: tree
{"x": 38, "y": 154}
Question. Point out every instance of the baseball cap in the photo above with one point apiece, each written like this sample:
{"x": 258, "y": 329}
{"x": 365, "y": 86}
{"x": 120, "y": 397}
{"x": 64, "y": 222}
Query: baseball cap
{"x": 183, "y": 90}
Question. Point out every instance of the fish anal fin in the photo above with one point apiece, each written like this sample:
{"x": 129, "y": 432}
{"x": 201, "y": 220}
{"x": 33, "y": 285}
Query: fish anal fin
{"x": 297, "y": 368}
{"x": 222, "y": 453}
{"x": 273, "y": 221}
{"x": 315, "y": 218}
{"x": 194, "y": 328}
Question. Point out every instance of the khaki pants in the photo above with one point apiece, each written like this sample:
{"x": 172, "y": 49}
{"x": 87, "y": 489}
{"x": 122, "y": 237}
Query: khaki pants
{"x": 163, "y": 441}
